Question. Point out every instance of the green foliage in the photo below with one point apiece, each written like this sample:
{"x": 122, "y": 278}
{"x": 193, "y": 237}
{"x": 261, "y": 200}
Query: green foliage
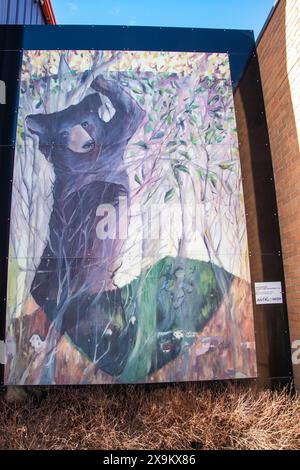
{"x": 197, "y": 123}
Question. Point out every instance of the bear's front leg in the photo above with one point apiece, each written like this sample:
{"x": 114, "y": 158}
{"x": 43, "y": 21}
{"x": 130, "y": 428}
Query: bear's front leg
{"x": 128, "y": 116}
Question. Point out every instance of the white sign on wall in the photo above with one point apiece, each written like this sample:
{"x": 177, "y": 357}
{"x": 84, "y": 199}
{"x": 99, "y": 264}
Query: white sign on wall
{"x": 268, "y": 292}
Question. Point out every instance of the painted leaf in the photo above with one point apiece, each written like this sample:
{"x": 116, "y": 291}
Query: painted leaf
{"x": 193, "y": 120}
{"x": 135, "y": 90}
{"x": 143, "y": 172}
{"x": 226, "y": 166}
{"x": 213, "y": 180}
{"x": 200, "y": 172}
{"x": 137, "y": 179}
{"x": 142, "y": 144}
{"x": 193, "y": 139}
{"x": 182, "y": 168}
{"x": 169, "y": 120}
{"x": 150, "y": 84}
{"x": 185, "y": 155}
{"x": 148, "y": 127}
{"x": 169, "y": 194}
{"x": 171, "y": 143}
{"x": 159, "y": 135}
{"x": 209, "y": 135}
{"x": 38, "y": 104}
{"x": 213, "y": 100}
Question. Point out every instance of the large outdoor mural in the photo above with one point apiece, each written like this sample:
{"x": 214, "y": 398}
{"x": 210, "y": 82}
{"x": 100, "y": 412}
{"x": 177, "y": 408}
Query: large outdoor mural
{"x": 128, "y": 253}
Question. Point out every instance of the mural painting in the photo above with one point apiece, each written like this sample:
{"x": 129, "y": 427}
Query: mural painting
{"x": 128, "y": 257}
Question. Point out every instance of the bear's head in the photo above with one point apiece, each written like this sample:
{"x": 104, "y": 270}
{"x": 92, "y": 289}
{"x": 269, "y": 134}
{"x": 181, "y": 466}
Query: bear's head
{"x": 71, "y": 139}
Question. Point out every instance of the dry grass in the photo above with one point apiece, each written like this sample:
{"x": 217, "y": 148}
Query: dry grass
{"x": 136, "y": 417}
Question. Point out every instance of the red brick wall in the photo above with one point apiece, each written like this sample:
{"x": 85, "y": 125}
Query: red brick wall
{"x": 279, "y": 60}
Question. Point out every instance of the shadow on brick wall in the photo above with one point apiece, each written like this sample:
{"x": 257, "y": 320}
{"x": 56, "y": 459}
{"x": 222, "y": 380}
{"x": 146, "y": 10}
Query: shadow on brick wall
{"x": 272, "y": 335}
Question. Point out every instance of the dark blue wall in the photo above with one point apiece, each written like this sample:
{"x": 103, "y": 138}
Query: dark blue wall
{"x": 21, "y": 12}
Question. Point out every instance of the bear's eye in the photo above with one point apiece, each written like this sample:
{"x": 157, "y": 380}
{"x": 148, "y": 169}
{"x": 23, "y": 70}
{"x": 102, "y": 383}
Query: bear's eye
{"x": 85, "y": 124}
{"x": 65, "y": 134}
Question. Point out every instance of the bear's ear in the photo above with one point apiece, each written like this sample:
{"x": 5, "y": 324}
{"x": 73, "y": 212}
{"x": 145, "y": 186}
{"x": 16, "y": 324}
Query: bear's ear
{"x": 91, "y": 102}
{"x": 36, "y": 124}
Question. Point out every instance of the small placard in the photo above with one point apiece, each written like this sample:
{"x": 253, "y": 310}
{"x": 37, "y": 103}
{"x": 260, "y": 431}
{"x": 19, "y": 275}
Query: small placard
{"x": 268, "y": 293}
{"x": 2, "y": 352}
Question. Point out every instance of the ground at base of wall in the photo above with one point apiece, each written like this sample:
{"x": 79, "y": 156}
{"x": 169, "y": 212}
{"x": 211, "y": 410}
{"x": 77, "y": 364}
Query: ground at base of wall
{"x": 190, "y": 416}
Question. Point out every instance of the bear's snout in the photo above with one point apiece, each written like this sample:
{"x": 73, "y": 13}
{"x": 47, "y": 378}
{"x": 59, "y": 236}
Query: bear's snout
{"x": 89, "y": 145}
{"x": 80, "y": 140}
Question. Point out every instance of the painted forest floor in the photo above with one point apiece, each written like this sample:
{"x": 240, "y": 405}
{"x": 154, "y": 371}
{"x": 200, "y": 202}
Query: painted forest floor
{"x": 188, "y": 416}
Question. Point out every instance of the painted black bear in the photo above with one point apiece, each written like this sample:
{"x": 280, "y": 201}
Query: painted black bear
{"x": 74, "y": 280}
